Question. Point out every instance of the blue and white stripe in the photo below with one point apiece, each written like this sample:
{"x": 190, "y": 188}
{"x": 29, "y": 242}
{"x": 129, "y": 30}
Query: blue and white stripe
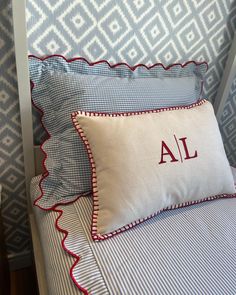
{"x": 190, "y": 250}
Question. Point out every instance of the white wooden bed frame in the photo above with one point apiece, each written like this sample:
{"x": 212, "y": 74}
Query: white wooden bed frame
{"x": 21, "y": 53}
{"x": 32, "y": 153}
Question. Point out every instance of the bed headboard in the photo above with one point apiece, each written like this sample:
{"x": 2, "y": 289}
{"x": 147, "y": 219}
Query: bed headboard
{"x": 32, "y": 155}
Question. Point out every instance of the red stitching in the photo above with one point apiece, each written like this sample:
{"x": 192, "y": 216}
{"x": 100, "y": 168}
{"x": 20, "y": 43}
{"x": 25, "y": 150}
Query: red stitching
{"x": 101, "y": 114}
{"x": 95, "y": 235}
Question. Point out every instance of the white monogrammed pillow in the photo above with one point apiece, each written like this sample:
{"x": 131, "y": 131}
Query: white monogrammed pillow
{"x": 146, "y": 162}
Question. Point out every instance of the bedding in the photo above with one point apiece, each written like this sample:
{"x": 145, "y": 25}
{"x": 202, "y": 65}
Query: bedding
{"x": 191, "y": 250}
{"x": 57, "y": 262}
{"x": 60, "y": 87}
{"x": 146, "y": 162}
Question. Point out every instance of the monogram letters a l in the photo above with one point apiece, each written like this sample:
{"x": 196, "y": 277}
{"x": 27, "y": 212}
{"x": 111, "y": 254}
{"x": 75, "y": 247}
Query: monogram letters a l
{"x": 166, "y": 151}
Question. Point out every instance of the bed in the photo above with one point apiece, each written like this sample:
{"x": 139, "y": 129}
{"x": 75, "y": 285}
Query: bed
{"x": 199, "y": 258}
{"x": 188, "y": 250}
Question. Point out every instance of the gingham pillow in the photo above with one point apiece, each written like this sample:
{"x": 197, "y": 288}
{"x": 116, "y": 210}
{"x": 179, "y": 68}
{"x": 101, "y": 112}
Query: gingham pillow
{"x": 61, "y": 87}
{"x": 146, "y": 162}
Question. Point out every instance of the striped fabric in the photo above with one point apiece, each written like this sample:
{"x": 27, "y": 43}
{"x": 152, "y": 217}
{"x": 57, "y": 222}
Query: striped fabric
{"x": 57, "y": 262}
{"x": 191, "y": 250}
{"x": 62, "y": 87}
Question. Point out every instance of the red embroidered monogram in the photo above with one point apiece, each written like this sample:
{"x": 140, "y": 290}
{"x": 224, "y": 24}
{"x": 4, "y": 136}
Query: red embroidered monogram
{"x": 164, "y": 146}
{"x": 187, "y": 156}
{"x": 166, "y": 151}
{"x": 186, "y": 147}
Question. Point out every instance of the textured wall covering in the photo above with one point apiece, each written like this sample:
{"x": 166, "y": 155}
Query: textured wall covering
{"x": 11, "y": 157}
{"x": 228, "y": 125}
{"x": 135, "y": 31}
{"x": 139, "y": 31}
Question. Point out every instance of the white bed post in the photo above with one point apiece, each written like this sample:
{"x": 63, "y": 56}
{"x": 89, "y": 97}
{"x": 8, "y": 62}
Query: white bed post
{"x": 21, "y": 53}
{"x": 227, "y": 80}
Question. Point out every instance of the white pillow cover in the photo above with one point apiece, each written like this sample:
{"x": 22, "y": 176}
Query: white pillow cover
{"x": 146, "y": 162}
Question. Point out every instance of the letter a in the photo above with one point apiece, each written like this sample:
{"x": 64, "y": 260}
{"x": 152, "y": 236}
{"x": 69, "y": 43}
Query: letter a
{"x": 168, "y": 152}
{"x": 183, "y": 139}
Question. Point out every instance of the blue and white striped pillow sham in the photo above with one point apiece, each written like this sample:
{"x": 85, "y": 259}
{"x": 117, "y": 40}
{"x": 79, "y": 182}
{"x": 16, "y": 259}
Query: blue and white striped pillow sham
{"x": 62, "y": 87}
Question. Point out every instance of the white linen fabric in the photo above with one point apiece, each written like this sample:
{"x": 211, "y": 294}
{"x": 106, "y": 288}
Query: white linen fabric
{"x": 191, "y": 250}
{"x": 145, "y": 162}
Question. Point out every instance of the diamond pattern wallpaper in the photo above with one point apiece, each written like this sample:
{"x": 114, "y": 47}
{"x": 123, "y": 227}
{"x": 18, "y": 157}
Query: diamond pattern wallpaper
{"x": 228, "y": 125}
{"x": 133, "y": 31}
{"x": 14, "y": 208}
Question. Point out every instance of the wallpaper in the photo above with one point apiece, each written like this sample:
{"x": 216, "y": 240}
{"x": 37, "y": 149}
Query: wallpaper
{"x": 134, "y": 31}
{"x": 228, "y": 125}
{"x": 14, "y": 209}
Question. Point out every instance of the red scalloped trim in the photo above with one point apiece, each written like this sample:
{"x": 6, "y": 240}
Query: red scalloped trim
{"x": 77, "y": 258}
{"x": 132, "y": 68}
{"x": 95, "y": 235}
{"x": 46, "y": 173}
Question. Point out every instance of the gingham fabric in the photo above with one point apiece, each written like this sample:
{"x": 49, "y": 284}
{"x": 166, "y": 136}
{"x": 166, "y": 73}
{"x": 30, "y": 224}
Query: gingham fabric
{"x": 62, "y": 87}
{"x": 191, "y": 250}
